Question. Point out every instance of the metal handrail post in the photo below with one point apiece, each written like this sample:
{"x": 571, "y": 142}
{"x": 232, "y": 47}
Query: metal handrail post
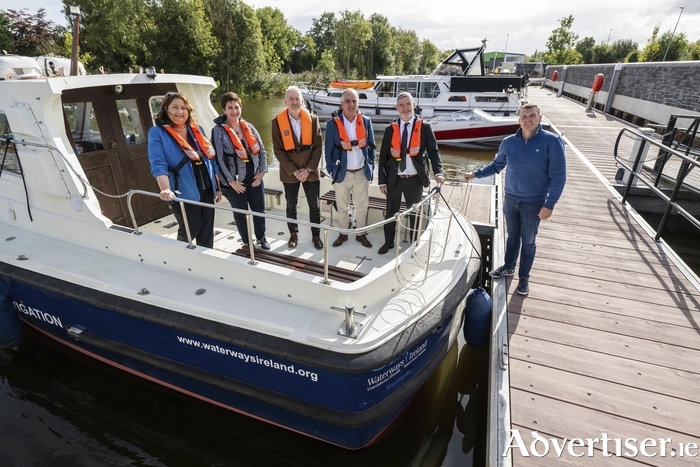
{"x": 251, "y": 245}
{"x": 672, "y": 200}
{"x": 325, "y": 257}
{"x": 190, "y": 245}
{"x": 635, "y": 167}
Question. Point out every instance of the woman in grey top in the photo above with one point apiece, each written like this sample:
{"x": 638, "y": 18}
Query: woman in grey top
{"x": 242, "y": 165}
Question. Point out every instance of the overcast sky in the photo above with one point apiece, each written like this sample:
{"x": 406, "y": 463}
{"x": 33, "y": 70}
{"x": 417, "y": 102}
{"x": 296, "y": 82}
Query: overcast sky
{"x": 513, "y": 25}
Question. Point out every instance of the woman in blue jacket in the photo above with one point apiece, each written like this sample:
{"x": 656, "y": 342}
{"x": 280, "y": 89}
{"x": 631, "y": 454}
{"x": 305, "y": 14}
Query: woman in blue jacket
{"x": 182, "y": 161}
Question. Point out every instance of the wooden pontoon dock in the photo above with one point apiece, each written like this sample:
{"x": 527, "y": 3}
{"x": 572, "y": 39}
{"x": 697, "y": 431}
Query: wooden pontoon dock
{"x": 608, "y": 341}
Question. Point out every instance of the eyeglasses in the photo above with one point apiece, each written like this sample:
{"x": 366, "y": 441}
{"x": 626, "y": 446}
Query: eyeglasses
{"x": 170, "y": 93}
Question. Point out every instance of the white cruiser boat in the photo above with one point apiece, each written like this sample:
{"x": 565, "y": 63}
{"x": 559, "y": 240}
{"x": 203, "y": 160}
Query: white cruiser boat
{"x": 459, "y": 83}
{"x": 331, "y": 343}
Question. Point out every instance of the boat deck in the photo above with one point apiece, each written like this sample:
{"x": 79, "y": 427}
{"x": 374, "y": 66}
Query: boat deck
{"x": 473, "y": 201}
{"x": 608, "y": 341}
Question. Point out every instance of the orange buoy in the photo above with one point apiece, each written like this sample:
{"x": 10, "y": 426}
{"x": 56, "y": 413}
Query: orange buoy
{"x": 555, "y": 75}
{"x": 598, "y": 82}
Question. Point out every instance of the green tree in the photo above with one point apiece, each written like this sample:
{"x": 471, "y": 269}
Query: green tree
{"x": 602, "y": 53}
{"x": 622, "y": 48}
{"x": 560, "y": 45}
{"x": 5, "y": 33}
{"x": 327, "y": 63}
{"x": 112, "y": 33}
{"x": 182, "y": 41}
{"x": 692, "y": 52}
{"x": 679, "y": 43}
{"x": 352, "y": 32}
{"x": 277, "y": 38}
{"x": 585, "y": 48}
{"x": 430, "y": 57}
{"x": 651, "y": 51}
{"x": 303, "y": 56}
{"x": 237, "y": 30}
{"x": 323, "y": 33}
{"x": 31, "y": 34}
{"x": 379, "y": 46}
{"x": 407, "y": 51}
{"x": 656, "y": 46}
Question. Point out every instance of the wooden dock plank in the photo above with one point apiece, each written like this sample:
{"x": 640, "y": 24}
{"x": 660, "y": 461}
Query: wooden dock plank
{"x": 561, "y": 419}
{"x": 609, "y": 313}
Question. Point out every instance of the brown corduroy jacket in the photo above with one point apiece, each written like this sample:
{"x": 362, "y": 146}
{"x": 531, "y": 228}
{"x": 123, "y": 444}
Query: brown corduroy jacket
{"x": 291, "y": 161}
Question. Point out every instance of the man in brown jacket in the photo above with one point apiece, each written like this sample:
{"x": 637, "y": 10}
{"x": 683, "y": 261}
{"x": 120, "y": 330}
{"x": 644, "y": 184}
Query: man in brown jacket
{"x": 297, "y": 143}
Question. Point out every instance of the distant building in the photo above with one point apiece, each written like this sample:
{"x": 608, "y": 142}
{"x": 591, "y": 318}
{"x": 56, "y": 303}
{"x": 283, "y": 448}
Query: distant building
{"x": 493, "y": 60}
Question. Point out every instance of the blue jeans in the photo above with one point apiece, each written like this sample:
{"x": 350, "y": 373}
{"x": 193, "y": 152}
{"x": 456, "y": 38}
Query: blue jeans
{"x": 522, "y": 221}
{"x": 252, "y": 198}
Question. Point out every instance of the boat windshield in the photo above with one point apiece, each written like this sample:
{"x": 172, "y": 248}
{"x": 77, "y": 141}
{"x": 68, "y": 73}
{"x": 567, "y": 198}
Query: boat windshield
{"x": 462, "y": 62}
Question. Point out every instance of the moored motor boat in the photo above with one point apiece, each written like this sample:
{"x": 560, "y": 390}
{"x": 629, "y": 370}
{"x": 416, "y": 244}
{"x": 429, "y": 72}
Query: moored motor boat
{"x": 328, "y": 343}
{"x": 471, "y": 126}
{"x": 458, "y": 83}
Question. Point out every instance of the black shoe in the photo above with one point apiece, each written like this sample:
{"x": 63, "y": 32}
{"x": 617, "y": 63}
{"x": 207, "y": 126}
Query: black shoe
{"x": 264, "y": 245}
{"x": 385, "y": 248}
{"x": 293, "y": 240}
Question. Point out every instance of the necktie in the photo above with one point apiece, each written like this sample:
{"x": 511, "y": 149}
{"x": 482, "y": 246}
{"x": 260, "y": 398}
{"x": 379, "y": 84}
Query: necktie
{"x": 404, "y": 148}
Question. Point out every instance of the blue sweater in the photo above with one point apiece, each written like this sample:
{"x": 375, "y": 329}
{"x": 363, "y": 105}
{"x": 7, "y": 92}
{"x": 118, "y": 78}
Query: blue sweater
{"x": 165, "y": 155}
{"x": 536, "y": 167}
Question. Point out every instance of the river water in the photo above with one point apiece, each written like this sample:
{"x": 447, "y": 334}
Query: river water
{"x": 59, "y": 408}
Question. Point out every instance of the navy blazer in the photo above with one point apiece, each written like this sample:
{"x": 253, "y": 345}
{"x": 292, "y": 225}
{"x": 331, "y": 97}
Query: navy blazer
{"x": 389, "y": 166}
{"x": 336, "y": 156}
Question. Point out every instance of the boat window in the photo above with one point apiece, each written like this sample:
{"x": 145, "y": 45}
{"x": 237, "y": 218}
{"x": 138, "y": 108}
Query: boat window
{"x": 457, "y": 99}
{"x": 409, "y": 86}
{"x": 7, "y": 151}
{"x": 82, "y": 122}
{"x": 491, "y": 98}
{"x": 131, "y": 121}
{"x": 363, "y": 95}
{"x": 154, "y": 103}
{"x": 386, "y": 89}
{"x": 429, "y": 90}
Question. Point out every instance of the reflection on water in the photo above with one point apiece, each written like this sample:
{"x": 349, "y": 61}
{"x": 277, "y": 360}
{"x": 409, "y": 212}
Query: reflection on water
{"x": 260, "y": 113}
{"x": 62, "y": 409}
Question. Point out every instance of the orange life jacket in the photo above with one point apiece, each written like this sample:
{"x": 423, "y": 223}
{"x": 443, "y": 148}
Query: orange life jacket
{"x": 202, "y": 141}
{"x": 360, "y": 132}
{"x": 249, "y": 138}
{"x": 414, "y": 143}
{"x": 283, "y": 120}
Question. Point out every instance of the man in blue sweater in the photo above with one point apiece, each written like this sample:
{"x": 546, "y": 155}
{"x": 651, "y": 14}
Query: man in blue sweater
{"x": 534, "y": 182}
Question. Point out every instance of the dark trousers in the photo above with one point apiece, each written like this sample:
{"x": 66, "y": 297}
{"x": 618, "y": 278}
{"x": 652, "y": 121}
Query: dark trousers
{"x": 199, "y": 219}
{"x": 254, "y": 198}
{"x": 312, "y": 191}
{"x": 412, "y": 190}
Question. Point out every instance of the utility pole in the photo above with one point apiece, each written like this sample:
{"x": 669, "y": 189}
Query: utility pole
{"x": 672, "y": 34}
{"x": 608, "y": 43}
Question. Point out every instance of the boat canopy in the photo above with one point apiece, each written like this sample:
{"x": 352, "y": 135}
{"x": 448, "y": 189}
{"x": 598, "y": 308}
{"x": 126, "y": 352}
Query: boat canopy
{"x": 18, "y": 67}
{"x": 463, "y": 62}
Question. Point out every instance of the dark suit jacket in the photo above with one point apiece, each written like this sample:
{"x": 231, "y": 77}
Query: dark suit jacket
{"x": 290, "y": 161}
{"x": 389, "y": 167}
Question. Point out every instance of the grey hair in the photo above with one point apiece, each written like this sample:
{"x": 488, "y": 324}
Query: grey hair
{"x": 403, "y": 94}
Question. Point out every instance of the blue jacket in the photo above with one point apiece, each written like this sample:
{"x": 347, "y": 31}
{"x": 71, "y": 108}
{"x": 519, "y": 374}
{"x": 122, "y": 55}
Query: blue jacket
{"x": 536, "y": 167}
{"x": 165, "y": 155}
{"x": 336, "y": 157}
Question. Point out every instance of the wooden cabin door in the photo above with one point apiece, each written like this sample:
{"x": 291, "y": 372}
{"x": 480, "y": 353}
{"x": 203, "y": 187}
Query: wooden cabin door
{"x": 109, "y": 127}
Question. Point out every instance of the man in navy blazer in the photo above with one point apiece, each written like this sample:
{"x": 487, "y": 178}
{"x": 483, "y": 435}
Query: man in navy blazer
{"x": 408, "y": 144}
{"x": 350, "y": 160}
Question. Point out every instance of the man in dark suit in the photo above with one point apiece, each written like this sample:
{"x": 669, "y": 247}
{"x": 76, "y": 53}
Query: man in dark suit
{"x": 403, "y": 162}
{"x": 297, "y": 143}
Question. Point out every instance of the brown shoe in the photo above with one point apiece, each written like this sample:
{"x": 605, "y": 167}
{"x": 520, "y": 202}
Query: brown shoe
{"x": 363, "y": 239}
{"x": 340, "y": 240}
{"x": 317, "y": 243}
{"x": 293, "y": 240}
